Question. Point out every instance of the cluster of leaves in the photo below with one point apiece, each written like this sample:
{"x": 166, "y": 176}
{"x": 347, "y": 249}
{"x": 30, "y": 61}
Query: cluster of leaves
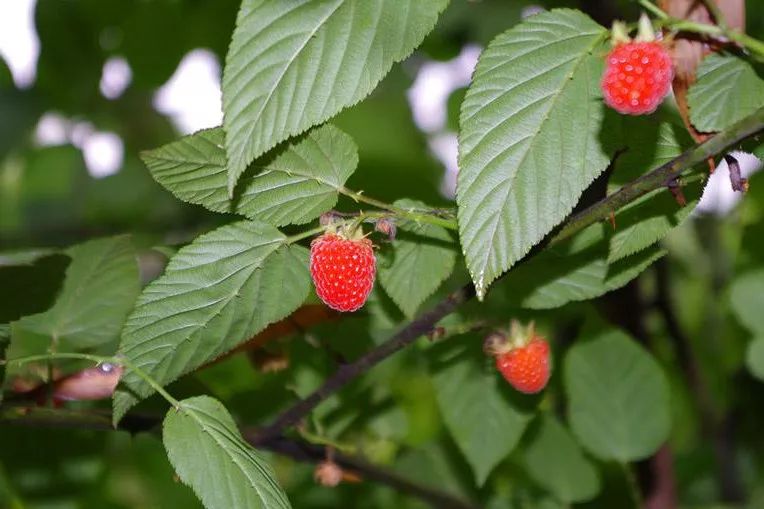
{"x": 533, "y": 136}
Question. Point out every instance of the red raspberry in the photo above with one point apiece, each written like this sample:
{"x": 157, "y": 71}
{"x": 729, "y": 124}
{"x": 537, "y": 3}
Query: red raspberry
{"x": 522, "y": 357}
{"x": 637, "y": 77}
{"x": 343, "y": 270}
{"x": 526, "y": 368}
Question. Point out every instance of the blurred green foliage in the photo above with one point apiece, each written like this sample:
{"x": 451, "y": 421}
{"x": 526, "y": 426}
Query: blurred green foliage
{"x": 398, "y": 414}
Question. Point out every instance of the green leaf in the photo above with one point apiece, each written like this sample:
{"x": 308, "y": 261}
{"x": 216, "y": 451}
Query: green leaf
{"x": 726, "y": 91}
{"x": 209, "y": 454}
{"x": 618, "y": 397}
{"x": 575, "y": 271}
{"x": 745, "y": 296}
{"x": 99, "y": 290}
{"x": 647, "y": 147}
{"x": 530, "y": 139}
{"x": 422, "y": 257}
{"x": 648, "y": 219}
{"x": 32, "y": 286}
{"x": 292, "y": 65}
{"x": 292, "y": 186}
{"x": 216, "y": 293}
{"x": 5, "y": 338}
{"x": 476, "y": 406}
{"x": 754, "y": 358}
{"x": 555, "y": 461}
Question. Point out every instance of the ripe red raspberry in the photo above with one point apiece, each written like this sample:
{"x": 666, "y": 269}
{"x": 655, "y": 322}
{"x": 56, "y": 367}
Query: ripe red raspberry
{"x": 522, "y": 357}
{"x": 637, "y": 77}
{"x": 526, "y": 368}
{"x": 343, "y": 270}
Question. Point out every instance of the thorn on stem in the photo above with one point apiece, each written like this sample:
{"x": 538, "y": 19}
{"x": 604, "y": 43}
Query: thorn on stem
{"x": 436, "y": 333}
{"x": 739, "y": 184}
{"x": 612, "y": 220}
{"x": 675, "y": 188}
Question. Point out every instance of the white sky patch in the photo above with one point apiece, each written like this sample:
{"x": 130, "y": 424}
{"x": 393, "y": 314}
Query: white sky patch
{"x": 52, "y": 129}
{"x": 428, "y": 100}
{"x": 192, "y": 97}
{"x": 19, "y": 44}
{"x": 434, "y": 83}
{"x": 115, "y": 77}
{"x": 718, "y": 197}
{"x": 445, "y": 147}
{"x": 103, "y": 151}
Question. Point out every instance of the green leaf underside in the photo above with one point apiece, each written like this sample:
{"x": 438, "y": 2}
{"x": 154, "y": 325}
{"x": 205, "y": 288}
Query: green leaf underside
{"x": 419, "y": 263}
{"x": 477, "y": 411}
{"x": 650, "y": 218}
{"x": 727, "y": 89}
{"x": 216, "y": 293}
{"x": 618, "y": 397}
{"x": 292, "y": 186}
{"x": 529, "y": 138}
{"x": 99, "y": 290}
{"x": 572, "y": 273}
{"x": 292, "y": 65}
{"x": 745, "y": 297}
{"x": 209, "y": 454}
{"x": 754, "y": 357}
{"x": 555, "y": 461}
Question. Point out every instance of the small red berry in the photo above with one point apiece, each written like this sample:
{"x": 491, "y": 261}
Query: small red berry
{"x": 637, "y": 77}
{"x": 522, "y": 357}
{"x": 526, "y": 368}
{"x": 343, "y": 270}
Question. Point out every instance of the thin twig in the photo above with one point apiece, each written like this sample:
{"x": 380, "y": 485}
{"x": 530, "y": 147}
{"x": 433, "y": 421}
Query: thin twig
{"x": 302, "y": 451}
{"x": 415, "y": 329}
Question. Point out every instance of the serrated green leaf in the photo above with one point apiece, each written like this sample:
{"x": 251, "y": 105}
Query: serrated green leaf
{"x": 727, "y": 89}
{"x": 618, "y": 397}
{"x": 216, "y": 293}
{"x": 475, "y": 401}
{"x": 209, "y": 454}
{"x": 297, "y": 183}
{"x": 292, "y": 65}
{"x": 99, "y": 290}
{"x": 422, "y": 257}
{"x": 555, "y": 461}
{"x": 754, "y": 357}
{"x": 530, "y": 138}
{"x": 745, "y": 297}
{"x": 575, "y": 271}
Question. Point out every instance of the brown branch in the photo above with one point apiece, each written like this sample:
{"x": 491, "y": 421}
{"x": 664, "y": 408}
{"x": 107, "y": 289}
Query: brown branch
{"x": 302, "y": 451}
{"x": 347, "y": 372}
{"x": 34, "y": 416}
{"x": 651, "y": 181}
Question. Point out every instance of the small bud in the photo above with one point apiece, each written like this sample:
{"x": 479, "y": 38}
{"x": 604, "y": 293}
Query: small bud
{"x": 387, "y": 227}
{"x": 328, "y": 474}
